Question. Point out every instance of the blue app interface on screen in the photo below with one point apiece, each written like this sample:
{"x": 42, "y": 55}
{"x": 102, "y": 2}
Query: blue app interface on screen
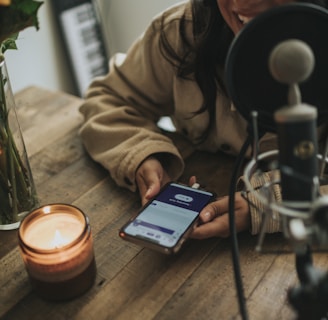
{"x": 166, "y": 218}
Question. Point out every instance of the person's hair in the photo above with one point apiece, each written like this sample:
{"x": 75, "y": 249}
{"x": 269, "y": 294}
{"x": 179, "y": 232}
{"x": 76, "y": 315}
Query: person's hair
{"x": 204, "y": 59}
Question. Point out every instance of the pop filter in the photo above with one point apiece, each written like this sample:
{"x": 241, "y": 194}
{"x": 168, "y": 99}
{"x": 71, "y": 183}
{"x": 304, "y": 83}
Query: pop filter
{"x": 249, "y": 81}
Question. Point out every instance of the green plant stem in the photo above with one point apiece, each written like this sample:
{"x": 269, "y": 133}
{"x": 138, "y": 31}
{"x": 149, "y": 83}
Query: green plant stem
{"x": 16, "y": 191}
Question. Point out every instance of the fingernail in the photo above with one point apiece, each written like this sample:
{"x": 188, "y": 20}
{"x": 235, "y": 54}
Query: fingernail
{"x": 148, "y": 193}
{"x": 207, "y": 215}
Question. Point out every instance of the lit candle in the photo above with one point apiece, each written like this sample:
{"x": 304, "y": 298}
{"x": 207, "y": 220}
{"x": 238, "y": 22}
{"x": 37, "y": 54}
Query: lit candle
{"x": 57, "y": 249}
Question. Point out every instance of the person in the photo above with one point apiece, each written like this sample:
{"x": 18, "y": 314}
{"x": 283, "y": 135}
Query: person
{"x": 175, "y": 69}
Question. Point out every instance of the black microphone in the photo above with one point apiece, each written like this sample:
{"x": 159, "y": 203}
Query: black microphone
{"x": 291, "y": 62}
{"x": 288, "y": 34}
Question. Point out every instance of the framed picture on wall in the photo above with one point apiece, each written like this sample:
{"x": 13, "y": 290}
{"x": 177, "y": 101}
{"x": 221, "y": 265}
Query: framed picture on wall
{"x": 81, "y": 34}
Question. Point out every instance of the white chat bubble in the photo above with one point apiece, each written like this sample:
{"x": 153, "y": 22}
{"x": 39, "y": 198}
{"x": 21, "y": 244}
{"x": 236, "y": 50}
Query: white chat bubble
{"x": 183, "y": 198}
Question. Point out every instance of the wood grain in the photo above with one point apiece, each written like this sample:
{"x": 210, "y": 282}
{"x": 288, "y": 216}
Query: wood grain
{"x": 133, "y": 282}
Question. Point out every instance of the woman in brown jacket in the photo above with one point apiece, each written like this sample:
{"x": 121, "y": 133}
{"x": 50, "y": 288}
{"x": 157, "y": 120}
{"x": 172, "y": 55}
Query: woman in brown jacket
{"x": 174, "y": 69}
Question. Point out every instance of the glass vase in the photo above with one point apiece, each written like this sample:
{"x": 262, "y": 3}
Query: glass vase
{"x": 17, "y": 189}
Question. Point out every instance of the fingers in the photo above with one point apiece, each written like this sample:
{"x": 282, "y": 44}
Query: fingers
{"x": 192, "y": 180}
{"x": 150, "y": 177}
{"x": 214, "y": 218}
{"x": 214, "y": 221}
{"x": 219, "y": 227}
{"x": 214, "y": 210}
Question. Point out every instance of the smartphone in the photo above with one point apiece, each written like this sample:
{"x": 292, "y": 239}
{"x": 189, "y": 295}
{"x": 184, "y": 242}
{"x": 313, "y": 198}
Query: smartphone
{"x": 165, "y": 222}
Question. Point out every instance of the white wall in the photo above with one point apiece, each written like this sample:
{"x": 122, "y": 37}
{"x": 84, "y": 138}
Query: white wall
{"x": 125, "y": 20}
{"x": 39, "y": 59}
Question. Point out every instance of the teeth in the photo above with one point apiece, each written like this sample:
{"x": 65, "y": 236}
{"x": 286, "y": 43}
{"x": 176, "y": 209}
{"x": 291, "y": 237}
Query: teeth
{"x": 244, "y": 19}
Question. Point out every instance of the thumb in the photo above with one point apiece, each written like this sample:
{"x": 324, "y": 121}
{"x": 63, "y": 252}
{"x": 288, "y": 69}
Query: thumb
{"x": 150, "y": 177}
{"x": 214, "y": 209}
{"x": 152, "y": 189}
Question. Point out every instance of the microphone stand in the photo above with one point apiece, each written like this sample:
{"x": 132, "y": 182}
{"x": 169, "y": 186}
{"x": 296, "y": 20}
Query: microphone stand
{"x": 311, "y": 296}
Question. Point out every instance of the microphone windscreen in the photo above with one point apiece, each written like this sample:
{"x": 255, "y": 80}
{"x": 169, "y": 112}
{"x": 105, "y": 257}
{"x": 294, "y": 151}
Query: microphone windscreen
{"x": 291, "y": 61}
{"x": 249, "y": 81}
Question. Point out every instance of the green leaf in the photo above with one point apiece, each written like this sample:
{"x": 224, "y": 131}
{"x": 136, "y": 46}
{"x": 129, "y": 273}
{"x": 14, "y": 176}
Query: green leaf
{"x": 19, "y": 15}
{"x": 9, "y": 43}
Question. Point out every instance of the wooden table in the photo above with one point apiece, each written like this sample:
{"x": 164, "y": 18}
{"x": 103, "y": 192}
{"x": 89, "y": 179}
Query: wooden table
{"x": 133, "y": 282}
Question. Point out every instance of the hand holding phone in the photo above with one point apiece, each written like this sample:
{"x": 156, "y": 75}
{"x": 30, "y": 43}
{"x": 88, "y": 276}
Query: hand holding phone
{"x": 164, "y": 222}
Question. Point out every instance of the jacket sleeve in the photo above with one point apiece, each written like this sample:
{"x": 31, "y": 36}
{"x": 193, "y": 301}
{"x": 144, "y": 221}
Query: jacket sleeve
{"x": 267, "y": 186}
{"x": 121, "y": 111}
{"x": 264, "y": 185}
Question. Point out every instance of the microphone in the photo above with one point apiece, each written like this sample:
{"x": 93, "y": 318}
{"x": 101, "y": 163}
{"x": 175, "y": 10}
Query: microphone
{"x": 278, "y": 64}
{"x": 292, "y": 62}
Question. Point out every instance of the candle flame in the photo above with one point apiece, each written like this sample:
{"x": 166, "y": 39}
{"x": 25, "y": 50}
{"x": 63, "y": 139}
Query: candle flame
{"x": 58, "y": 240}
{"x": 47, "y": 209}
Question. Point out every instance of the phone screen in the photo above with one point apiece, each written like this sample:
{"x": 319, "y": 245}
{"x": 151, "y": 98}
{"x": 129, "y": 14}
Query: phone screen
{"x": 167, "y": 217}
